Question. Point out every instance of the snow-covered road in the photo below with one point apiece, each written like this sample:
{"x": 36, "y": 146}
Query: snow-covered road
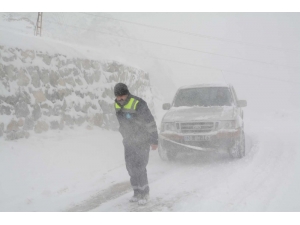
{"x": 215, "y": 182}
{"x": 84, "y": 170}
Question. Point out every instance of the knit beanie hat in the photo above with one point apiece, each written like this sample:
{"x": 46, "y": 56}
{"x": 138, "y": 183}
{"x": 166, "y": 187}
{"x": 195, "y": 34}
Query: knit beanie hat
{"x": 121, "y": 89}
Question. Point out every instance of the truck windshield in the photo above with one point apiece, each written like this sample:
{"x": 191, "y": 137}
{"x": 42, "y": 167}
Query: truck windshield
{"x": 205, "y": 96}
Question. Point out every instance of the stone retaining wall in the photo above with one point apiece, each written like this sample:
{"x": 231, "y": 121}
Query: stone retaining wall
{"x": 39, "y": 91}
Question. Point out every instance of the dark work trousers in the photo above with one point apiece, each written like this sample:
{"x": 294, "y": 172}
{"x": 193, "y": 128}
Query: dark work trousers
{"x": 136, "y": 158}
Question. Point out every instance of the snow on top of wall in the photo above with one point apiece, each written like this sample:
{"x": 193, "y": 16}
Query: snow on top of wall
{"x": 30, "y": 42}
{"x": 74, "y": 34}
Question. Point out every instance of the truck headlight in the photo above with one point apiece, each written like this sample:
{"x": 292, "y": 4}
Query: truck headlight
{"x": 229, "y": 124}
{"x": 169, "y": 127}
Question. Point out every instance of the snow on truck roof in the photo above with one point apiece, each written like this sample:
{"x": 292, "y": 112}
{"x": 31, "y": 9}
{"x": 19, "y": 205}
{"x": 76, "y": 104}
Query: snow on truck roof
{"x": 205, "y": 85}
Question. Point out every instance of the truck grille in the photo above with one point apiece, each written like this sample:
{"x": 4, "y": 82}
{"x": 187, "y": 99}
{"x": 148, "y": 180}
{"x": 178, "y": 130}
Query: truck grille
{"x": 197, "y": 127}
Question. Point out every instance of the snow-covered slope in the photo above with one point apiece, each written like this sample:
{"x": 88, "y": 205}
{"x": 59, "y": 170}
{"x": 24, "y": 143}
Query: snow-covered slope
{"x": 89, "y": 35}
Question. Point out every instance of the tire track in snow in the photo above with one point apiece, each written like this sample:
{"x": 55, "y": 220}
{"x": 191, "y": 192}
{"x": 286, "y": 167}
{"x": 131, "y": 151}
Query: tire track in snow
{"x": 255, "y": 192}
{"x": 273, "y": 160}
{"x": 106, "y": 195}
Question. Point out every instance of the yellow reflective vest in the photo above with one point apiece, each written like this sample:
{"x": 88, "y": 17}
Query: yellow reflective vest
{"x": 130, "y": 107}
{"x": 136, "y": 126}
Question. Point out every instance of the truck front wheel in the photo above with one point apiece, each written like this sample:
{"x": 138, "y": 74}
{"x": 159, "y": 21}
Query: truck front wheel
{"x": 238, "y": 150}
{"x": 165, "y": 153}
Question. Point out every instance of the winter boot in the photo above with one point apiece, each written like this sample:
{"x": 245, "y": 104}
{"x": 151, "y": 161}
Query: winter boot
{"x": 136, "y": 196}
{"x": 143, "y": 200}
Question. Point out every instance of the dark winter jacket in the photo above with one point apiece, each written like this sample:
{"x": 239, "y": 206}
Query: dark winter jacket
{"x": 137, "y": 125}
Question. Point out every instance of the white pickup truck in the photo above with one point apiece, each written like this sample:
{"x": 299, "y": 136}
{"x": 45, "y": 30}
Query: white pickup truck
{"x": 203, "y": 117}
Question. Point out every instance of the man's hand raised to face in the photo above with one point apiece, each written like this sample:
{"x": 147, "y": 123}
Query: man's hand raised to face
{"x": 154, "y": 147}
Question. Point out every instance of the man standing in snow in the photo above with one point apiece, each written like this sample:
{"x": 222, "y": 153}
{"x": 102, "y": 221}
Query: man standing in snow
{"x": 139, "y": 131}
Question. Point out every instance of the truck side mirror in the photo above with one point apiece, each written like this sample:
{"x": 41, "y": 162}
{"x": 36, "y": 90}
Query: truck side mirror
{"x": 166, "y": 106}
{"x": 242, "y": 103}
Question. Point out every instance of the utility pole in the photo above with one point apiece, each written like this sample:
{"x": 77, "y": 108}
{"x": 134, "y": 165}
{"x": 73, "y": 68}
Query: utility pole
{"x": 38, "y": 26}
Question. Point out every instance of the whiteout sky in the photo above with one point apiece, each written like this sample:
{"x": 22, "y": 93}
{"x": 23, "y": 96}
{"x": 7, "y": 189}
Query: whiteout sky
{"x": 245, "y": 49}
